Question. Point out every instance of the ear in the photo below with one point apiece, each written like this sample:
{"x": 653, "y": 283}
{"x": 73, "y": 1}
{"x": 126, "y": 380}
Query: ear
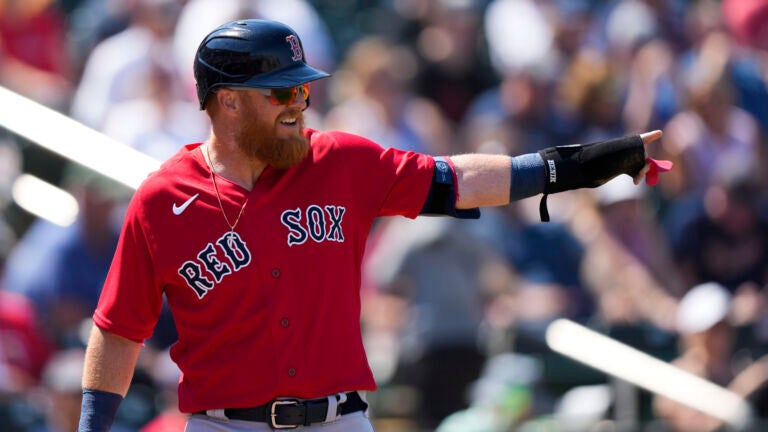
{"x": 228, "y": 100}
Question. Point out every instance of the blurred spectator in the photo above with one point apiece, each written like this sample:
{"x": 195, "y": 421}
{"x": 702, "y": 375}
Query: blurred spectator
{"x": 546, "y": 258}
{"x": 24, "y": 349}
{"x": 651, "y": 98}
{"x": 119, "y": 67}
{"x": 159, "y": 123}
{"x": 747, "y": 23}
{"x": 92, "y": 21}
{"x": 706, "y": 350}
{"x": 725, "y": 239}
{"x": 439, "y": 352}
{"x": 619, "y": 26}
{"x": 522, "y": 109}
{"x": 520, "y": 37}
{"x": 61, "y": 392}
{"x": 61, "y": 269}
{"x": 34, "y": 57}
{"x": 710, "y": 349}
{"x": 24, "y": 352}
{"x": 745, "y": 68}
{"x": 59, "y": 396}
{"x": 547, "y": 253}
{"x": 712, "y": 136}
{"x": 522, "y": 44}
{"x": 628, "y": 217}
{"x": 591, "y": 89}
{"x": 618, "y": 291}
{"x": 749, "y": 314}
{"x": 374, "y": 98}
{"x": 453, "y": 64}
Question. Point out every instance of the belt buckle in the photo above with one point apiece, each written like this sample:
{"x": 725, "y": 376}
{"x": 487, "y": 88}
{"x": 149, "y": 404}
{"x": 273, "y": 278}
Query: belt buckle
{"x": 273, "y": 413}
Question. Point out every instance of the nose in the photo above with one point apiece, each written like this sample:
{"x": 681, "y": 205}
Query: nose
{"x": 302, "y": 96}
{"x": 299, "y": 102}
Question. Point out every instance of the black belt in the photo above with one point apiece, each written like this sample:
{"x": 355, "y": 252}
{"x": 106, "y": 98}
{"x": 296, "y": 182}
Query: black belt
{"x": 291, "y": 413}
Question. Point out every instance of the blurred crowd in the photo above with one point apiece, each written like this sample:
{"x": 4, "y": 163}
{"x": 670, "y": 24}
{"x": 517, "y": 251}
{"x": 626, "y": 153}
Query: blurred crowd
{"x": 455, "y": 313}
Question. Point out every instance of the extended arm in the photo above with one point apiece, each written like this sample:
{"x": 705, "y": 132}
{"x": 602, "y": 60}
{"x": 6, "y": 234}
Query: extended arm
{"x": 489, "y": 180}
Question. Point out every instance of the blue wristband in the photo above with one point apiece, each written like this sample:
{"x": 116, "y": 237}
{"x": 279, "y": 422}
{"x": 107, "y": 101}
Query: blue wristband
{"x": 98, "y": 410}
{"x": 528, "y": 176}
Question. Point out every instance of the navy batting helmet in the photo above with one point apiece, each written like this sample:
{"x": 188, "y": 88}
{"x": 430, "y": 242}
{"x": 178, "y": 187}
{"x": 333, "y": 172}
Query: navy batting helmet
{"x": 251, "y": 53}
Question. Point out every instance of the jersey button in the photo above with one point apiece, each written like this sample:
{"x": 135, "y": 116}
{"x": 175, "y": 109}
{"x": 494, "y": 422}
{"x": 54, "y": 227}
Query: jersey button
{"x": 284, "y": 322}
{"x": 292, "y": 372}
{"x": 275, "y": 273}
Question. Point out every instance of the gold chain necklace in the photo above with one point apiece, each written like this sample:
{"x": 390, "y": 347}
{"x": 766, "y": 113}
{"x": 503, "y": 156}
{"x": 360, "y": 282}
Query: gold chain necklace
{"x": 218, "y": 196}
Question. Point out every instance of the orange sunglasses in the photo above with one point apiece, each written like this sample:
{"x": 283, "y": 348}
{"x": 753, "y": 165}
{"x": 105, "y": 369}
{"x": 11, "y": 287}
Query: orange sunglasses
{"x": 284, "y": 96}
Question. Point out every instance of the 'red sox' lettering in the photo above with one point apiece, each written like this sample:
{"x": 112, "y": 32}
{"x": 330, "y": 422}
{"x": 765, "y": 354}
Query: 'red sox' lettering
{"x": 316, "y": 223}
{"x": 198, "y": 273}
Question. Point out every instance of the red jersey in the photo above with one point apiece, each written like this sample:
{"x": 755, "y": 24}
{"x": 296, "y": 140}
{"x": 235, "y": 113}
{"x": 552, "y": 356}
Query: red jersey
{"x": 276, "y": 310}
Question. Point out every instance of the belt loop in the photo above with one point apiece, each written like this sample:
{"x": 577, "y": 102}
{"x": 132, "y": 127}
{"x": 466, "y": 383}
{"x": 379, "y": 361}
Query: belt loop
{"x": 217, "y": 413}
{"x": 333, "y": 412}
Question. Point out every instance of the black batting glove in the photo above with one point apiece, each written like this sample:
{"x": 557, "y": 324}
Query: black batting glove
{"x": 589, "y": 165}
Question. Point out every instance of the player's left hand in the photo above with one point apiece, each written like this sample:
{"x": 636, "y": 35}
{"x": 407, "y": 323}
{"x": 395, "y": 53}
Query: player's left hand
{"x": 652, "y": 167}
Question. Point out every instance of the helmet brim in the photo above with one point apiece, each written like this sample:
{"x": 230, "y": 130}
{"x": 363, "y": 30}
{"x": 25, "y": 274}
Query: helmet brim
{"x": 292, "y": 76}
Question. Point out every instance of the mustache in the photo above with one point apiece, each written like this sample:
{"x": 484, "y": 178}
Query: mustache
{"x": 292, "y": 113}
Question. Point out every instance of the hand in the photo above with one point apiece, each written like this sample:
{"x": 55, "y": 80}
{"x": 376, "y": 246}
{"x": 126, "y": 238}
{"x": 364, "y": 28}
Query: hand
{"x": 652, "y": 167}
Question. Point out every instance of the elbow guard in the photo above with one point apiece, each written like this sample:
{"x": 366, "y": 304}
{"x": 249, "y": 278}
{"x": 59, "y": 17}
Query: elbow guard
{"x": 441, "y": 199}
{"x": 589, "y": 165}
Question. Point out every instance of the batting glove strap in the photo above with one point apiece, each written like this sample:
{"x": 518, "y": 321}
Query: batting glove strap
{"x": 589, "y": 165}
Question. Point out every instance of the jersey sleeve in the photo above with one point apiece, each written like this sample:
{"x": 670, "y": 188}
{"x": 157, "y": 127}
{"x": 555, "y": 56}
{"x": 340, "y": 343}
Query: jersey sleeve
{"x": 131, "y": 300}
{"x": 391, "y": 181}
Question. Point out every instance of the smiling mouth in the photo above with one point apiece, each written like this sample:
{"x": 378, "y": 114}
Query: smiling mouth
{"x": 292, "y": 121}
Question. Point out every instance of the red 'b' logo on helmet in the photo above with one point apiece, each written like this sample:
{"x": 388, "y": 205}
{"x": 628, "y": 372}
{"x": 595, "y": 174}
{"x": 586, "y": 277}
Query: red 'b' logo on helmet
{"x": 295, "y": 47}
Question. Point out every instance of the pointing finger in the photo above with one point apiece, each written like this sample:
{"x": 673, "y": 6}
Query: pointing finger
{"x": 650, "y": 136}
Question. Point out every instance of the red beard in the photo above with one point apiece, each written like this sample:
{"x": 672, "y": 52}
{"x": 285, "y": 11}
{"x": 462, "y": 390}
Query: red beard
{"x": 258, "y": 139}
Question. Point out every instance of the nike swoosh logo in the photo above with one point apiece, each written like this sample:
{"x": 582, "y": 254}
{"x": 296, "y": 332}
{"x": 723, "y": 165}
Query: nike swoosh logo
{"x": 177, "y": 210}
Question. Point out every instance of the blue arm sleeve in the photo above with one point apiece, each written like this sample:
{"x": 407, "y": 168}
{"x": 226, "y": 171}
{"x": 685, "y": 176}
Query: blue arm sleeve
{"x": 528, "y": 176}
{"x": 98, "y": 410}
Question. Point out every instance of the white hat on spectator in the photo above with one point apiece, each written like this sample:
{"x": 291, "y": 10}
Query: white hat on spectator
{"x": 702, "y": 307}
{"x": 519, "y": 36}
{"x": 630, "y": 22}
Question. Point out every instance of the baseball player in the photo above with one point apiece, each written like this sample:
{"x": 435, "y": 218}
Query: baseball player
{"x": 256, "y": 238}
